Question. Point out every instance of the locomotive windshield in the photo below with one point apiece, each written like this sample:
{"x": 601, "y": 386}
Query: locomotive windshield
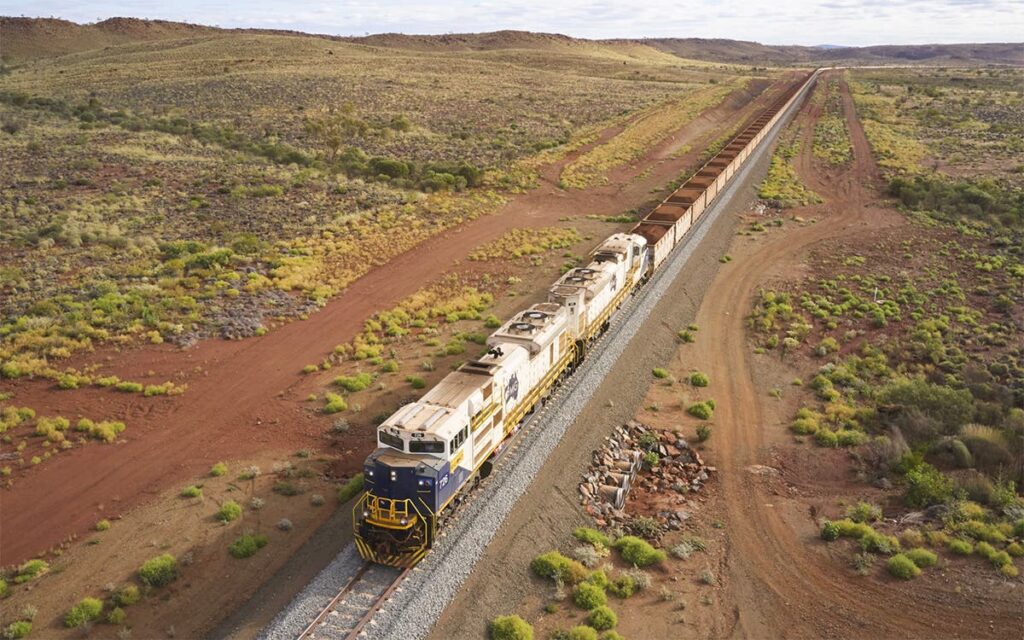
{"x": 426, "y": 446}
{"x": 391, "y": 440}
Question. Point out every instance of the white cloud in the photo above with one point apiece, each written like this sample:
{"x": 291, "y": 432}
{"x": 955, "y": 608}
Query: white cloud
{"x": 856, "y": 22}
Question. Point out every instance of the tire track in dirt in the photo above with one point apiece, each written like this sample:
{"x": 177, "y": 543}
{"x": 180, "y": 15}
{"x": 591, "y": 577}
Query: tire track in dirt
{"x": 254, "y": 382}
{"x": 780, "y": 586}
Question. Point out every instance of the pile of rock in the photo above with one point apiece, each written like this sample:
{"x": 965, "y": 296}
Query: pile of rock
{"x": 644, "y": 460}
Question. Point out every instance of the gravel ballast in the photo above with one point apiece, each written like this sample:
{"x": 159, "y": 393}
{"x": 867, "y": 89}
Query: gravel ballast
{"x": 415, "y": 607}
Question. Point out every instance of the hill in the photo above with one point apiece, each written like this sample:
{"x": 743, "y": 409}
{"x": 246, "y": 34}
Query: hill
{"x": 29, "y": 38}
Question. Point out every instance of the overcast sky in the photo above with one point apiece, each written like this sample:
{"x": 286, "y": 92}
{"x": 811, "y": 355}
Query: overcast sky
{"x": 850, "y": 22}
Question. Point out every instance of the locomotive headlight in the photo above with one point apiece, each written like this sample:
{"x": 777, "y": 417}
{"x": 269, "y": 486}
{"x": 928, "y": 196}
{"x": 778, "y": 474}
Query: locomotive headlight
{"x": 394, "y": 476}
{"x": 366, "y": 514}
{"x": 421, "y": 482}
{"x": 403, "y": 522}
{"x": 369, "y": 472}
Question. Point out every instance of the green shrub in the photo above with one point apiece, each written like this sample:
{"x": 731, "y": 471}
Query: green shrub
{"x": 247, "y": 545}
{"x": 587, "y": 596}
{"x": 191, "y": 491}
{"x": 829, "y": 531}
{"x": 581, "y": 632}
{"x": 218, "y": 469}
{"x": 851, "y": 437}
{"x": 4, "y": 589}
{"x": 159, "y": 571}
{"x": 103, "y": 525}
{"x": 686, "y": 336}
{"x": 1015, "y": 549}
{"x": 351, "y": 489}
{"x": 229, "y": 511}
{"x": 598, "y": 578}
{"x": 510, "y": 628}
{"x": 612, "y": 635}
{"x": 555, "y": 566}
{"x": 961, "y": 547}
{"x": 602, "y": 618}
{"x": 864, "y": 512}
{"x": 117, "y": 616}
{"x": 129, "y": 387}
{"x": 926, "y": 486}
{"x": 903, "y": 567}
{"x": 878, "y": 543}
{"x": 981, "y": 531}
{"x": 87, "y": 610}
{"x": 660, "y": 373}
{"x": 623, "y": 586}
{"x": 703, "y": 432}
{"x": 922, "y": 557}
{"x": 804, "y": 426}
{"x": 699, "y": 379}
{"x": 310, "y": 368}
{"x": 1009, "y": 571}
{"x": 30, "y": 570}
{"x": 961, "y": 454}
{"x": 826, "y": 438}
{"x": 592, "y": 536}
{"x": 638, "y": 552}
{"x": 18, "y": 629}
{"x": 702, "y": 410}
{"x": 127, "y": 595}
{"x": 416, "y": 382}
{"x": 354, "y": 383}
{"x": 335, "y": 403}
{"x": 391, "y": 366}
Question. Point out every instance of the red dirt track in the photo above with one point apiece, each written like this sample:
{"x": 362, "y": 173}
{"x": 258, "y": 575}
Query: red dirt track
{"x": 246, "y": 397}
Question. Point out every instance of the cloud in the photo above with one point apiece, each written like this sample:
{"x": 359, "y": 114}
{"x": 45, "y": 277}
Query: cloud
{"x": 855, "y": 22}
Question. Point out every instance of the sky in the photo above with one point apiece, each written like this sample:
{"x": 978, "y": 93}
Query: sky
{"x": 807, "y": 22}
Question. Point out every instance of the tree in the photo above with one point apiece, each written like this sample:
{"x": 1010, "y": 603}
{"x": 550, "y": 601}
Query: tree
{"x": 334, "y": 127}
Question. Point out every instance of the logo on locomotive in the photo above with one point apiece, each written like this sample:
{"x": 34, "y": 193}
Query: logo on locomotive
{"x": 512, "y": 388}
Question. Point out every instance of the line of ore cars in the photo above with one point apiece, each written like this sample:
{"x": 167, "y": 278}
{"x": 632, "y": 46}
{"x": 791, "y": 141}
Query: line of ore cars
{"x": 431, "y": 452}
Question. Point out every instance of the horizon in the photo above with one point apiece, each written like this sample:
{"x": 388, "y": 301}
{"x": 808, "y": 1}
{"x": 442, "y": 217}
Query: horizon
{"x": 841, "y": 23}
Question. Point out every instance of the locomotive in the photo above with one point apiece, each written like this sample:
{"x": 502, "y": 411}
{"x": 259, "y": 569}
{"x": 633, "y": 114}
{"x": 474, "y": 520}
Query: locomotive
{"x": 431, "y": 452}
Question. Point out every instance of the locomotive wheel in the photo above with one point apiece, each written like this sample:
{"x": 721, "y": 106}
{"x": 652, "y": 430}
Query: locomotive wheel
{"x": 485, "y": 469}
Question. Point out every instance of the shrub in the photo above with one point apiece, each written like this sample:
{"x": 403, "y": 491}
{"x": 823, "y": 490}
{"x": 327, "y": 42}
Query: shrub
{"x": 247, "y": 545}
{"x": 587, "y": 555}
{"x": 117, "y": 616}
{"x": 686, "y": 336}
{"x": 864, "y": 512}
{"x": 390, "y": 366}
{"x": 18, "y": 629}
{"x": 638, "y": 552}
{"x": 103, "y": 525}
{"x": 159, "y": 571}
{"x": 961, "y": 547}
{"x": 903, "y": 567}
{"x": 354, "y": 383}
{"x": 218, "y": 469}
{"x": 1015, "y": 549}
{"x": 4, "y": 589}
{"x": 703, "y": 432}
{"x": 926, "y": 486}
{"x": 922, "y": 557}
{"x": 129, "y": 387}
{"x": 127, "y": 596}
{"x": 555, "y": 566}
{"x": 335, "y": 403}
{"x": 191, "y": 491}
{"x": 352, "y": 488}
{"x": 879, "y": 543}
{"x": 416, "y": 382}
{"x": 581, "y": 632}
{"x": 599, "y": 578}
{"x": 623, "y": 586}
{"x": 591, "y": 536}
{"x": 229, "y": 511}
{"x": 602, "y": 618}
{"x": 284, "y": 524}
{"x": 510, "y": 628}
{"x": 588, "y": 596}
{"x": 30, "y": 570}
{"x": 826, "y": 438}
{"x": 87, "y": 610}
{"x": 912, "y": 538}
{"x": 961, "y": 454}
{"x": 702, "y": 410}
{"x": 850, "y": 437}
{"x": 1009, "y": 571}
{"x": 310, "y": 368}
{"x": 660, "y": 373}
{"x": 829, "y": 531}
{"x": 699, "y": 379}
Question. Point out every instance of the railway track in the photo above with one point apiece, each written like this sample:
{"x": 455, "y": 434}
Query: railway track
{"x": 348, "y": 613}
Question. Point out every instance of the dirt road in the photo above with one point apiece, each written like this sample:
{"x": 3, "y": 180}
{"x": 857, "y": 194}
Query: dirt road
{"x": 246, "y": 397}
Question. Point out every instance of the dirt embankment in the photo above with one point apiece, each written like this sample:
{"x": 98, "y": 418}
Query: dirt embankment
{"x": 775, "y": 580}
{"x": 246, "y": 397}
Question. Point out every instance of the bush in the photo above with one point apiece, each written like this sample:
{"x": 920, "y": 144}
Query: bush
{"x": 581, "y": 632}
{"x": 826, "y": 438}
{"x": 591, "y": 536}
{"x": 354, "y": 383}
{"x": 829, "y": 531}
{"x": 247, "y": 545}
{"x": 191, "y": 491}
{"x": 103, "y": 525}
{"x": 961, "y": 547}
{"x": 612, "y": 635}
{"x": 660, "y": 373}
{"x": 87, "y": 610}
{"x": 623, "y": 586}
{"x": 961, "y": 454}
{"x": 416, "y": 382}
{"x": 702, "y": 410}
{"x": 30, "y": 570}
{"x": 588, "y": 596}
{"x": 555, "y": 566}
{"x": 218, "y": 469}
{"x": 926, "y": 486}
{"x": 510, "y": 628}
{"x": 4, "y": 589}
{"x": 159, "y": 571}
{"x": 864, "y": 512}
{"x": 638, "y": 552}
{"x": 127, "y": 596}
{"x": 18, "y": 629}
{"x": 922, "y": 557}
{"x": 703, "y": 432}
{"x": 850, "y": 437}
{"x": 335, "y": 403}
{"x": 602, "y": 618}
{"x": 229, "y": 511}
{"x": 1015, "y": 549}
{"x": 117, "y": 616}
{"x": 903, "y": 567}
{"x": 351, "y": 489}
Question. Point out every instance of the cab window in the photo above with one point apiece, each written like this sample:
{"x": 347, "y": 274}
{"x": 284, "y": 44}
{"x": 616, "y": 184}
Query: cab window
{"x": 426, "y": 446}
{"x": 459, "y": 438}
{"x": 391, "y": 440}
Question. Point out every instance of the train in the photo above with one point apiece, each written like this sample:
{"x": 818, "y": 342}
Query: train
{"x": 430, "y": 453}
